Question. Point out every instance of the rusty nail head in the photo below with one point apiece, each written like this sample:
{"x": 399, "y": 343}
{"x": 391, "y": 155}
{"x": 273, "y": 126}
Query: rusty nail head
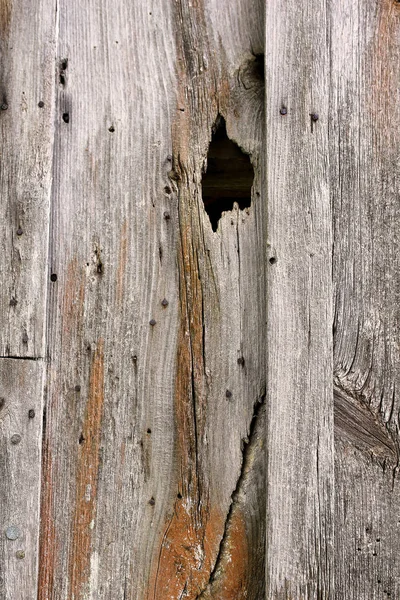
{"x": 12, "y": 532}
{"x": 31, "y": 413}
{"x": 164, "y": 302}
{"x": 15, "y": 439}
{"x": 20, "y": 554}
{"x": 152, "y": 322}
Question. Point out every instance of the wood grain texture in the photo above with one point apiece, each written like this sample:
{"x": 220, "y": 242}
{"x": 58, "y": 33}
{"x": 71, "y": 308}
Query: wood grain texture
{"x": 145, "y": 472}
{"x": 300, "y": 475}
{"x": 21, "y": 392}
{"x": 26, "y": 78}
{"x": 365, "y": 142}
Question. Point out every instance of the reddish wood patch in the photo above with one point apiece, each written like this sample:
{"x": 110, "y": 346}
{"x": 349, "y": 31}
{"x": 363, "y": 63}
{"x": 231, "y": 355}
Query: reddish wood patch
{"x": 48, "y": 546}
{"x": 231, "y": 578}
{"x": 87, "y": 476}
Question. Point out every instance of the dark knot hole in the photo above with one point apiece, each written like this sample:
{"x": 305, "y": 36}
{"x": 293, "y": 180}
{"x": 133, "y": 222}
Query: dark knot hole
{"x": 229, "y": 176}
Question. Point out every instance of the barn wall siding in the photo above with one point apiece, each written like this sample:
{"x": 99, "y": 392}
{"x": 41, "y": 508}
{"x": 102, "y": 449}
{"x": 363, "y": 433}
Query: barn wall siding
{"x": 195, "y": 408}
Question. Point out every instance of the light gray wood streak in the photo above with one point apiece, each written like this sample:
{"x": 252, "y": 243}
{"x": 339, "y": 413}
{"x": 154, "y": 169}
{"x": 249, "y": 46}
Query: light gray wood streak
{"x": 21, "y": 391}
{"x": 299, "y": 342}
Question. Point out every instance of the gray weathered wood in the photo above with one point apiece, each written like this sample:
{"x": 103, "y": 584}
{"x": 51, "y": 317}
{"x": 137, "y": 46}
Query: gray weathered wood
{"x": 365, "y": 141}
{"x": 150, "y": 483}
{"x": 26, "y": 78}
{"x": 205, "y": 430}
{"x": 21, "y": 392}
{"x": 299, "y": 343}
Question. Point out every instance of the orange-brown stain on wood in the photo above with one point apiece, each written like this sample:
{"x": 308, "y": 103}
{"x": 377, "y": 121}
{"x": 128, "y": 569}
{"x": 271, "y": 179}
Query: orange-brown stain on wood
{"x": 87, "y": 479}
{"x": 230, "y": 581}
{"x": 73, "y": 302}
{"x": 384, "y": 58}
{"x": 187, "y": 554}
{"x": 189, "y": 543}
{"x": 123, "y": 249}
{"x": 48, "y": 546}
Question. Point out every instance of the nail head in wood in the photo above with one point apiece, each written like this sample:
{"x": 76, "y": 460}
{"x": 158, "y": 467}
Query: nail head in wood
{"x": 12, "y": 532}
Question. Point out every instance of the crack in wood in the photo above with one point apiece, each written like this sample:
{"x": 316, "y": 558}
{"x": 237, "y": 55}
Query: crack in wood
{"x": 250, "y": 445}
{"x": 22, "y": 357}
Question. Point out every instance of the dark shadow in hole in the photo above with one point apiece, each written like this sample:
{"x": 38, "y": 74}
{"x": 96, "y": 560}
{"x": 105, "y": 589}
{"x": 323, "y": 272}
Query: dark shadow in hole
{"x": 229, "y": 176}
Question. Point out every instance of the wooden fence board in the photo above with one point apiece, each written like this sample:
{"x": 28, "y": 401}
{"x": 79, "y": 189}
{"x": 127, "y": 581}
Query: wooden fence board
{"x": 27, "y": 34}
{"x": 365, "y": 142}
{"x": 21, "y": 394}
{"x": 154, "y": 456}
{"x": 300, "y": 475}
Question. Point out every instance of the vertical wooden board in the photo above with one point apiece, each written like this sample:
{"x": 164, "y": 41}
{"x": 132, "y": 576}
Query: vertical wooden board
{"x": 365, "y": 173}
{"x": 299, "y": 342}
{"x": 152, "y": 474}
{"x": 27, "y": 34}
{"x": 108, "y": 456}
{"x": 21, "y": 393}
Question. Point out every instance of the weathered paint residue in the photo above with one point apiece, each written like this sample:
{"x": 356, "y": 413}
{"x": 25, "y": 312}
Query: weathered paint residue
{"x": 87, "y": 477}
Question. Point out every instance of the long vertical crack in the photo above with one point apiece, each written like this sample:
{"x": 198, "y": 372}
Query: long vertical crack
{"x": 250, "y": 455}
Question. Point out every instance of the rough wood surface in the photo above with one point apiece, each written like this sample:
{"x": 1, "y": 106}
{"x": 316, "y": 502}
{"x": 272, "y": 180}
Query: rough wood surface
{"x": 21, "y": 398}
{"x": 365, "y": 140}
{"x": 197, "y": 427}
{"x": 153, "y": 475}
{"x": 300, "y": 474}
{"x": 26, "y": 129}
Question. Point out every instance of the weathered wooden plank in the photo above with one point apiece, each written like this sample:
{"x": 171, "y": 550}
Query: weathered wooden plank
{"x": 365, "y": 143}
{"x": 21, "y": 395}
{"x": 150, "y": 485}
{"x": 27, "y": 33}
{"x": 299, "y": 342}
